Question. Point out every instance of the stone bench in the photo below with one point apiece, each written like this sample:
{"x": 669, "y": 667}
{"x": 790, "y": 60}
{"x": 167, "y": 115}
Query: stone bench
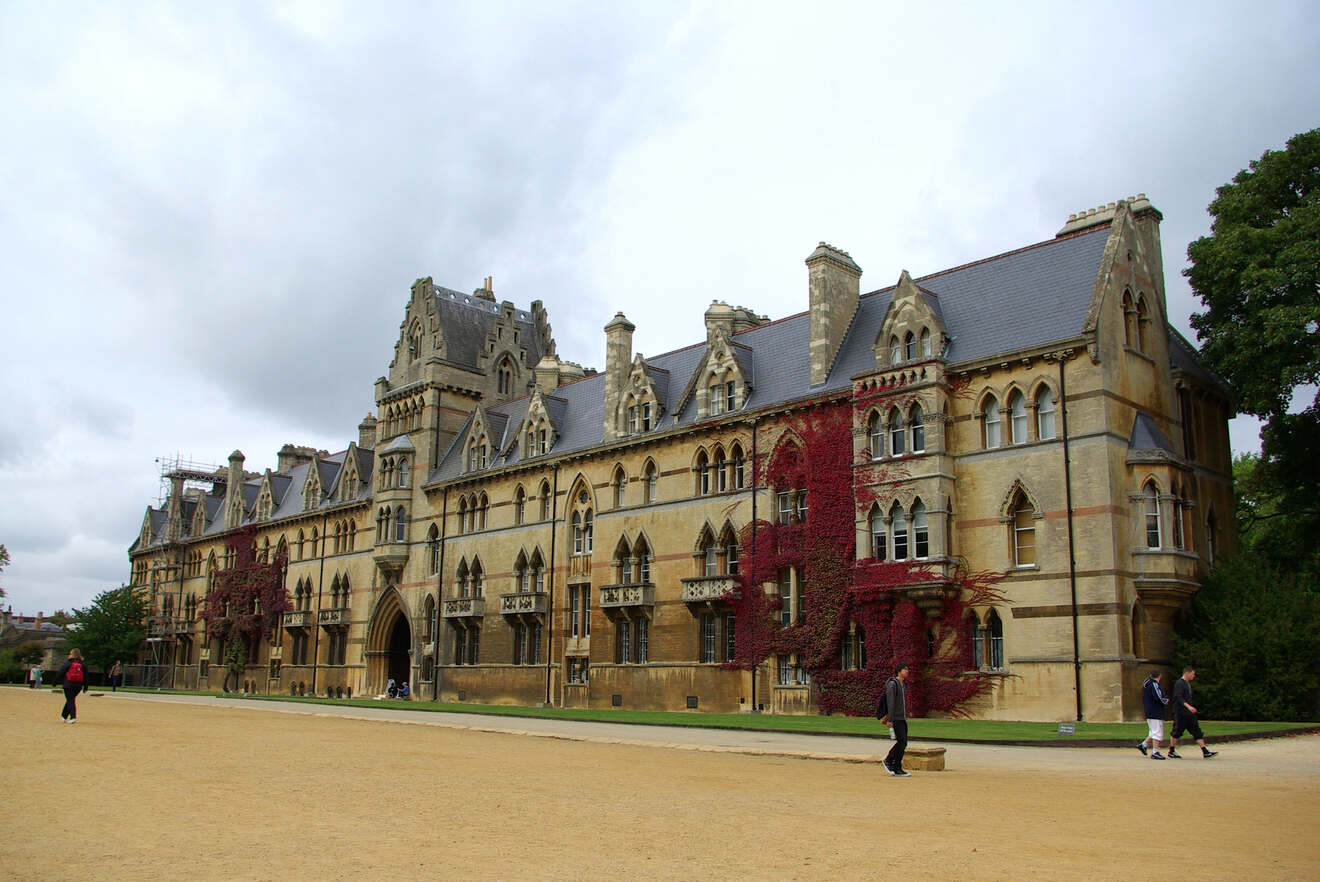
{"x": 924, "y": 759}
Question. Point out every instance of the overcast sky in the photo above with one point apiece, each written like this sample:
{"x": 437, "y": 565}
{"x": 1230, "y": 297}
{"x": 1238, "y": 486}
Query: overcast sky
{"x": 211, "y": 214}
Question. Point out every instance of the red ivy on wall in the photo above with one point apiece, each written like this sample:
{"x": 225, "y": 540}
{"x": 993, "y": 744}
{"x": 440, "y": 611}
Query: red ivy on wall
{"x": 247, "y": 599}
{"x": 816, "y": 454}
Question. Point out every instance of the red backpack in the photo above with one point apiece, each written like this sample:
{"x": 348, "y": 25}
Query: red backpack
{"x": 75, "y": 674}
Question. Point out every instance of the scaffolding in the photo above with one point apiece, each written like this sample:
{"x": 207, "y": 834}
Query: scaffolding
{"x": 193, "y": 473}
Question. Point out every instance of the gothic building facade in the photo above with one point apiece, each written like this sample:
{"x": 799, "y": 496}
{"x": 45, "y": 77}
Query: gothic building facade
{"x": 510, "y": 528}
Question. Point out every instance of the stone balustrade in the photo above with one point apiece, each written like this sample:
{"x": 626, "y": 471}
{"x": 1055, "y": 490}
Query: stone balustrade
{"x": 523, "y": 602}
{"x": 707, "y": 588}
{"x": 615, "y": 596}
{"x": 464, "y": 607}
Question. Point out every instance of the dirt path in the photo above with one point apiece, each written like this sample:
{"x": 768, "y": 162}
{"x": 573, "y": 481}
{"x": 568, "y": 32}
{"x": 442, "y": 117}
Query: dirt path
{"x": 174, "y": 790}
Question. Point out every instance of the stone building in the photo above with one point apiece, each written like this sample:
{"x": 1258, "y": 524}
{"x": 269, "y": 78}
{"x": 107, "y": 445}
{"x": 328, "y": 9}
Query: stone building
{"x": 511, "y": 528}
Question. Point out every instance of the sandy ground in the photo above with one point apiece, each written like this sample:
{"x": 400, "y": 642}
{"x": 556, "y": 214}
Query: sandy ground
{"x": 141, "y": 789}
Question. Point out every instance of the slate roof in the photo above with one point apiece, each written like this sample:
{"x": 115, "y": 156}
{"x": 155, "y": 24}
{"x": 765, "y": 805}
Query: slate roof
{"x": 467, "y": 320}
{"x": 1146, "y": 435}
{"x": 1028, "y": 297}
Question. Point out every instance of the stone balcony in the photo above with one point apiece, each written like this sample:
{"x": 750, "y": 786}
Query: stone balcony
{"x": 616, "y": 596}
{"x": 168, "y": 627}
{"x": 391, "y": 556}
{"x": 523, "y": 602}
{"x": 329, "y": 618}
{"x": 301, "y": 618}
{"x": 705, "y": 589}
{"x": 464, "y": 608}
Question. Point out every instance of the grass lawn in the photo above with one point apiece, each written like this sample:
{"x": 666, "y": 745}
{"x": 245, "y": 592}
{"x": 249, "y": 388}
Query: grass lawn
{"x": 918, "y": 729}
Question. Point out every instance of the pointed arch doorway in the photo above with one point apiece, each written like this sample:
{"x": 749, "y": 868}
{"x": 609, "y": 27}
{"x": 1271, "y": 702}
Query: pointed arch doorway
{"x": 389, "y": 643}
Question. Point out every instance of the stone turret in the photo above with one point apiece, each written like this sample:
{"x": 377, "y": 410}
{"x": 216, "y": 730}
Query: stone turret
{"x": 834, "y": 282}
{"x": 234, "y": 491}
{"x": 618, "y": 362}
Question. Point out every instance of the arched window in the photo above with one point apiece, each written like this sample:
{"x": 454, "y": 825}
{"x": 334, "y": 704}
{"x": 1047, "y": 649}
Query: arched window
{"x": 1151, "y": 499}
{"x": 403, "y": 473}
{"x": 642, "y": 555}
{"x": 519, "y": 506}
{"x": 428, "y": 620}
{"x": 400, "y": 524}
{"x": 483, "y": 505}
{"x": 709, "y": 554}
{"x": 504, "y": 376}
{"x": 1024, "y": 532}
{"x": 433, "y": 546}
{"x": 721, "y": 472}
{"x": 652, "y": 481}
{"x": 909, "y": 347}
{"x": 1179, "y": 507}
{"x": 1129, "y": 320}
{"x": 898, "y": 520}
{"x": 545, "y": 501}
{"x": 577, "y": 533}
{"x": 703, "y": 474}
{"x": 1017, "y": 418}
{"x": 994, "y": 627}
{"x": 522, "y": 575}
{"x": 478, "y": 579}
{"x": 462, "y": 513}
{"x": 916, "y": 420}
{"x": 978, "y": 642}
{"x": 1143, "y": 324}
{"x": 990, "y": 422}
{"x": 897, "y": 434}
{"x": 463, "y": 579}
{"x": 895, "y": 351}
{"x": 538, "y": 571}
{"x": 587, "y": 531}
{"x": 1045, "y": 413}
{"x": 925, "y": 343}
{"x": 875, "y": 433}
{"x": 879, "y": 537}
{"x": 920, "y": 532}
{"x": 619, "y": 483}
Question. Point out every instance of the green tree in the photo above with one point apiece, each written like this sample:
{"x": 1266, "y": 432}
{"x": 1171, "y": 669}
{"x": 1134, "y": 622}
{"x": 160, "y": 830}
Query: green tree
{"x": 111, "y": 629}
{"x": 4, "y": 562}
{"x": 1251, "y": 638}
{"x": 1258, "y": 276}
{"x": 29, "y": 652}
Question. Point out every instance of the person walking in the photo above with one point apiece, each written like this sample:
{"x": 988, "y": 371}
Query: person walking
{"x": 1154, "y": 701}
{"x": 35, "y": 676}
{"x": 116, "y": 676}
{"x": 1184, "y": 716}
{"x": 74, "y": 677}
{"x": 896, "y": 700}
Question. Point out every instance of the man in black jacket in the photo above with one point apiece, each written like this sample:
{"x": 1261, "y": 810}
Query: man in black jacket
{"x": 1154, "y": 701}
{"x": 896, "y": 698}
{"x": 1184, "y": 715}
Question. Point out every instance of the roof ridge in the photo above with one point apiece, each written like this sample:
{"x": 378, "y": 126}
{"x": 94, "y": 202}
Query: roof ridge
{"x": 1014, "y": 251}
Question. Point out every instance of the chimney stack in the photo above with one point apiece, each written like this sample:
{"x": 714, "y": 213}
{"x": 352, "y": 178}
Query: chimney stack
{"x": 618, "y": 361}
{"x": 834, "y": 283}
{"x": 234, "y": 491}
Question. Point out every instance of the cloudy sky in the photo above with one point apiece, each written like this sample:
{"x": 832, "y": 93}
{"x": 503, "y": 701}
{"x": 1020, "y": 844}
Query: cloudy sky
{"x": 211, "y": 214}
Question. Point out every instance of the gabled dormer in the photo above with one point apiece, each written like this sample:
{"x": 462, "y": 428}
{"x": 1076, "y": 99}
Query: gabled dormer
{"x": 479, "y": 447}
{"x": 312, "y": 492}
{"x": 641, "y": 400}
{"x": 348, "y": 485}
{"x": 913, "y": 329}
{"x": 723, "y": 380}
{"x": 265, "y": 499}
{"x": 539, "y": 430}
{"x": 144, "y": 532}
{"x": 198, "y": 524}
{"x": 504, "y": 353}
{"x": 421, "y": 335}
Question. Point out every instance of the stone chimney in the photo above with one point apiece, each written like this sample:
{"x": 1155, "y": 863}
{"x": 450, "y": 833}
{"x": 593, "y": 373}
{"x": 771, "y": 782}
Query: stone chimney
{"x": 618, "y": 361}
{"x": 547, "y": 373}
{"x": 367, "y": 433}
{"x": 719, "y": 317}
{"x": 487, "y": 289}
{"x": 174, "y": 515}
{"x": 234, "y": 491}
{"x": 290, "y": 456}
{"x": 834, "y": 281}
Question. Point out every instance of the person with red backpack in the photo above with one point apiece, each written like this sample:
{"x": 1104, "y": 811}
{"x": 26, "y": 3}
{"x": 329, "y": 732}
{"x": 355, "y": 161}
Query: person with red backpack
{"x": 74, "y": 677}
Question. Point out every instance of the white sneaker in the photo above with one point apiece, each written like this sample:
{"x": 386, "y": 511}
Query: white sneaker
{"x": 73, "y": 719}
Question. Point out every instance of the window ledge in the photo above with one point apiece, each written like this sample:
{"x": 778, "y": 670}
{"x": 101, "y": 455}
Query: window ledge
{"x": 1022, "y": 568}
{"x": 1139, "y": 354}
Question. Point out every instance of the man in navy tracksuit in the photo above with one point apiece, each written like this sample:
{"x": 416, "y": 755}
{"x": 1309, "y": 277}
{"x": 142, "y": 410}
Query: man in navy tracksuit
{"x": 1154, "y": 701}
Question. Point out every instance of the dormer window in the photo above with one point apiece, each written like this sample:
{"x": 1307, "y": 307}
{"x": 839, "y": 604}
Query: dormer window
{"x": 909, "y": 347}
{"x": 716, "y": 399}
{"x": 895, "y": 351}
{"x": 925, "y": 343}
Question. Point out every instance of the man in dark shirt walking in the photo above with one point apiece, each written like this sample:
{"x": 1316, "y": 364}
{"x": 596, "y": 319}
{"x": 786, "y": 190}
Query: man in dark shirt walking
{"x": 1184, "y": 715}
{"x": 896, "y": 698}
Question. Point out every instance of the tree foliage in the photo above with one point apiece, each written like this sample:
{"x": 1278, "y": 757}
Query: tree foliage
{"x": 1258, "y": 276}
{"x": 1252, "y": 640}
{"x": 4, "y": 562}
{"x": 111, "y": 629}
